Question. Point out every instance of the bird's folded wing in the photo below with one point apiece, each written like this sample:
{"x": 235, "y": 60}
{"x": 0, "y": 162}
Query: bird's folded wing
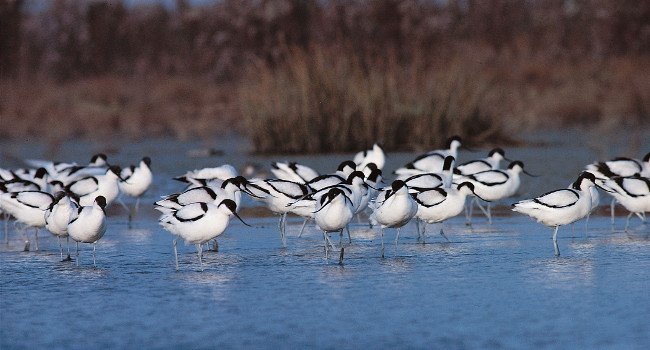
{"x": 35, "y": 199}
{"x": 191, "y": 212}
{"x": 84, "y": 186}
{"x": 491, "y": 177}
{"x": 558, "y": 199}
{"x": 431, "y": 198}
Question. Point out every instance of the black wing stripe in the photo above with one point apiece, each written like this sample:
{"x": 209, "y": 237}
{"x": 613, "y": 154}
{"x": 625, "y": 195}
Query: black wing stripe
{"x": 557, "y": 206}
{"x": 620, "y": 180}
{"x": 204, "y": 206}
{"x": 439, "y": 190}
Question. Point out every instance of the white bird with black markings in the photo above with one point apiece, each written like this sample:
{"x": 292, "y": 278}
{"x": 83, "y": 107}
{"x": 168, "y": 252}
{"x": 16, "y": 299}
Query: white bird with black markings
{"x": 325, "y": 181}
{"x": 15, "y": 186}
{"x": 33, "y": 180}
{"x": 97, "y": 166}
{"x": 632, "y": 192}
{"x": 6, "y": 175}
{"x": 63, "y": 170}
{"x": 423, "y": 181}
{"x": 359, "y": 191}
{"x": 645, "y": 164}
{"x": 432, "y": 161}
{"x": 368, "y": 190}
{"x": 28, "y": 208}
{"x": 176, "y": 201}
{"x": 88, "y": 225}
{"x": 620, "y": 167}
{"x": 277, "y": 195}
{"x": 491, "y": 162}
{"x": 358, "y": 187}
{"x": 228, "y": 189}
{"x": 53, "y": 168}
{"x": 198, "y": 177}
{"x": 595, "y": 200}
{"x": 368, "y": 169}
{"x": 393, "y": 208}
{"x": 57, "y": 218}
{"x": 334, "y": 212}
{"x": 439, "y": 204}
{"x": 89, "y": 188}
{"x": 342, "y": 172}
{"x": 198, "y": 223}
{"x": 305, "y": 207}
{"x": 494, "y": 185}
{"x": 135, "y": 181}
{"x": 451, "y": 148}
{"x": 560, "y": 207}
{"x": 37, "y": 175}
{"x": 373, "y": 180}
{"x": 97, "y": 160}
{"x": 292, "y": 171}
{"x": 345, "y": 169}
{"x": 374, "y": 155}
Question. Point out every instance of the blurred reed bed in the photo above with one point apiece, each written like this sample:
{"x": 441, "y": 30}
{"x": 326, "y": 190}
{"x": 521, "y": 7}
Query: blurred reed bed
{"x": 315, "y": 76}
{"x": 326, "y": 99}
{"x": 103, "y": 107}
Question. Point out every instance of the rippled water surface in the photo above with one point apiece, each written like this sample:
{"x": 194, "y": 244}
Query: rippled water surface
{"x": 492, "y": 286}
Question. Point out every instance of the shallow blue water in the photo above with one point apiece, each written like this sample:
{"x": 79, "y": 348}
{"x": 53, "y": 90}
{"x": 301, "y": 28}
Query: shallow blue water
{"x": 493, "y": 286}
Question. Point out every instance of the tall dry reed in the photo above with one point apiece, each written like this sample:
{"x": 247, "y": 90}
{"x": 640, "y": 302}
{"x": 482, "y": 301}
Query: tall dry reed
{"x": 309, "y": 75}
{"x": 103, "y": 107}
{"x": 327, "y": 99}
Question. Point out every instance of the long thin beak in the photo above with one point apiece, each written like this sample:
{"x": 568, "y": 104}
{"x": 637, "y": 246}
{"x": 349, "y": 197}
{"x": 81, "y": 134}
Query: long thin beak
{"x": 507, "y": 159}
{"x": 468, "y": 149}
{"x": 529, "y": 174}
{"x": 240, "y": 219}
{"x": 181, "y": 179}
{"x": 250, "y": 193}
{"x": 414, "y": 189}
{"x": 390, "y": 194}
{"x": 479, "y": 197}
{"x": 374, "y": 188}
{"x": 299, "y": 199}
{"x": 605, "y": 189}
{"x": 324, "y": 205}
